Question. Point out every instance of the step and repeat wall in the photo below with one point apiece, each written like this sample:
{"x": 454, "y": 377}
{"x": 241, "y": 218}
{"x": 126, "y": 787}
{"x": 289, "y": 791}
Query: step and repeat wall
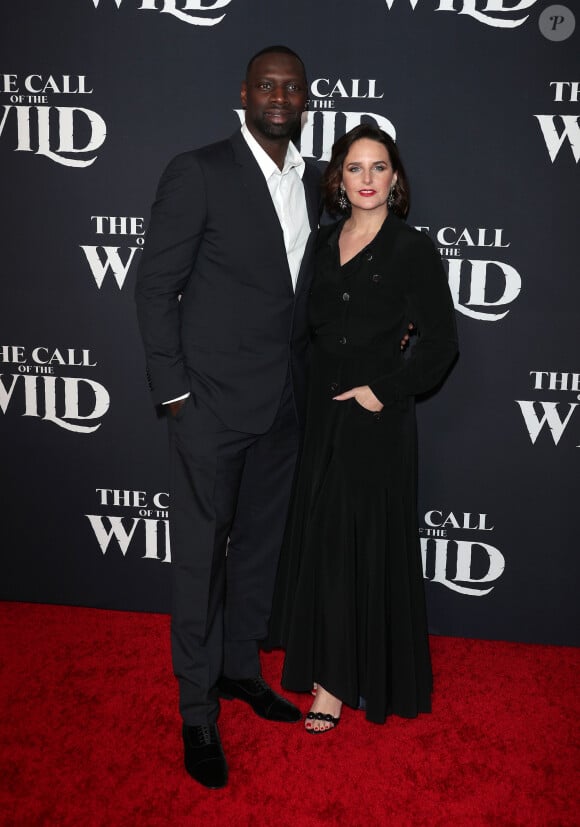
{"x": 483, "y": 98}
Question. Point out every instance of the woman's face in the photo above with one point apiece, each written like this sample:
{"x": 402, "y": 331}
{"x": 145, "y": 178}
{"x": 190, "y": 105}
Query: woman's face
{"x": 367, "y": 175}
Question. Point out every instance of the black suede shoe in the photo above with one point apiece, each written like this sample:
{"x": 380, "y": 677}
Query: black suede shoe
{"x": 204, "y": 756}
{"x": 263, "y": 700}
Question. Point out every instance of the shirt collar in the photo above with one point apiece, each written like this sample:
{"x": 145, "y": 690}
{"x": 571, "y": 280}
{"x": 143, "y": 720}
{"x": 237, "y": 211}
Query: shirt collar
{"x": 293, "y": 158}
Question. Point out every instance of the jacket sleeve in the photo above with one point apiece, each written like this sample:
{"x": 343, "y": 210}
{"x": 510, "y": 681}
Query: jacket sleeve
{"x": 173, "y": 237}
{"x": 430, "y": 308}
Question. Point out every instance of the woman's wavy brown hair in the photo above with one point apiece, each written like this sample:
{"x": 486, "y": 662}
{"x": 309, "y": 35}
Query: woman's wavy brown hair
{"x": 332, "y": 178}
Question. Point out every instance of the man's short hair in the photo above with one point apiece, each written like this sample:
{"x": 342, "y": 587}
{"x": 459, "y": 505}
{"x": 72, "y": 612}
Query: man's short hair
{"x": 276, "y": 50}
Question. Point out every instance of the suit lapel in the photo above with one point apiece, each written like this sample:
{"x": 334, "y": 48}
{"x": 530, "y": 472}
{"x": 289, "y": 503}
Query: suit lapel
{"x": 258, "y": 194}
{"x": 312, "y": 195}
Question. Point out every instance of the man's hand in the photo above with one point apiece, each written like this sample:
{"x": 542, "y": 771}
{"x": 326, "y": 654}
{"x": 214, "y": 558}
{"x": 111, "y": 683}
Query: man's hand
{"x": 175, "y": 407}
{"x": 407, "y": 336}
{"x": 364, "y": 396}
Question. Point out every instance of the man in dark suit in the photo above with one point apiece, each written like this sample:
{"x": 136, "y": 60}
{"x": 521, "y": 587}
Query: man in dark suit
{"x": 221, "y": 294}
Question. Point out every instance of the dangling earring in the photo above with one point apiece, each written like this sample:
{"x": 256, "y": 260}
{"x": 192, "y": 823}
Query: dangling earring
{"x": 391, "y": 198}
{"x": 343, "y": 201}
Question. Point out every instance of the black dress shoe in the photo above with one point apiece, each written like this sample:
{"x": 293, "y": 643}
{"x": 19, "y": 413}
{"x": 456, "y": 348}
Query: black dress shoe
{"x": 263, "y": 700}
{"x": 204, "y": 756}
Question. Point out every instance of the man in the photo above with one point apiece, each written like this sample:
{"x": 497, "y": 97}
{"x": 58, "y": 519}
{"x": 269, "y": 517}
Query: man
{"x": 221, "y": 295}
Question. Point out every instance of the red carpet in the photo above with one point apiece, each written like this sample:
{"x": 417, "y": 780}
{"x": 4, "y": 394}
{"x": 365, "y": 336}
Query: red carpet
{"x": 91, "y": 736}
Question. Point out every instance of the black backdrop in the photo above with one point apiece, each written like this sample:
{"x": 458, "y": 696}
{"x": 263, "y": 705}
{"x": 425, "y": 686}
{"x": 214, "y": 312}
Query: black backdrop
{"x": 97, "y": 95}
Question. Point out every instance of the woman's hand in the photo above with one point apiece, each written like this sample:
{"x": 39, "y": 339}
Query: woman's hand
{"x": 411, "y": 332}
{"x": 364, "y": 396}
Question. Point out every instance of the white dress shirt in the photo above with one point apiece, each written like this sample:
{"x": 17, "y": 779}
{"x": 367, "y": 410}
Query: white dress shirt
{"x": 288, "y": 197}
{"x": 287, "y": 193}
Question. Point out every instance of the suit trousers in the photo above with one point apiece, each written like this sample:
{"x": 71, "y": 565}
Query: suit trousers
{"x": 229, "y": 499}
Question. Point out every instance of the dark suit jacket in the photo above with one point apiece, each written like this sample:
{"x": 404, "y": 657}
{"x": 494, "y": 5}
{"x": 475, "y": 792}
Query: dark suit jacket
{"x": 215, "y": 239}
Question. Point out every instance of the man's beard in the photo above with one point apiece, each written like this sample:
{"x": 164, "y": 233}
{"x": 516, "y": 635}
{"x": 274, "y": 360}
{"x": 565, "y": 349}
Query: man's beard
{"x": 289, "y": 129}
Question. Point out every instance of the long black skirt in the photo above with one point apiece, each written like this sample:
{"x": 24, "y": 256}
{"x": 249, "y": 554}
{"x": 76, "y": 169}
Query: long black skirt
{"x": 349, "y": 605}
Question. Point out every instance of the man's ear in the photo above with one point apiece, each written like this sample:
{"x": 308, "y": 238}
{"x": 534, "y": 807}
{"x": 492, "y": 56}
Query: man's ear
{"x": 244, "y": 94}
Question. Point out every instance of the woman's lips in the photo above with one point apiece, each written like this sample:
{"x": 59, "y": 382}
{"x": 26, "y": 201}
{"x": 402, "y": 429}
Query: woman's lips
{"x": 367, "y": 193}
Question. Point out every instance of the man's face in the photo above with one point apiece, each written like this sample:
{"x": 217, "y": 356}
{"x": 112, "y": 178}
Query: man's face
{"x": 274, "y": 96}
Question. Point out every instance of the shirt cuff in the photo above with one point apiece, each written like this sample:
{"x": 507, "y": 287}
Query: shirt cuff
{"x": 177, "y": 399}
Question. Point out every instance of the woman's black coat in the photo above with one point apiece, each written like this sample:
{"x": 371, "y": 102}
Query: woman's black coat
{"x": 358, "y": 316}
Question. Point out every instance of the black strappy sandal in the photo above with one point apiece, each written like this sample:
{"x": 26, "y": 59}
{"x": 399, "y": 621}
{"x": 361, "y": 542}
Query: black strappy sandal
{"x": 321, "y": 716}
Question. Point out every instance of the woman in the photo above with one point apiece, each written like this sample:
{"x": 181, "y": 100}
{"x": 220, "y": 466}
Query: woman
{"x": 349, "y": 606}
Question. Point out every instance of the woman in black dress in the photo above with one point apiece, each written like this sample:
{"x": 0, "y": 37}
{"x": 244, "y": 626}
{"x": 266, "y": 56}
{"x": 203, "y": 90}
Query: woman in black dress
{"x": 349, "y": 607}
